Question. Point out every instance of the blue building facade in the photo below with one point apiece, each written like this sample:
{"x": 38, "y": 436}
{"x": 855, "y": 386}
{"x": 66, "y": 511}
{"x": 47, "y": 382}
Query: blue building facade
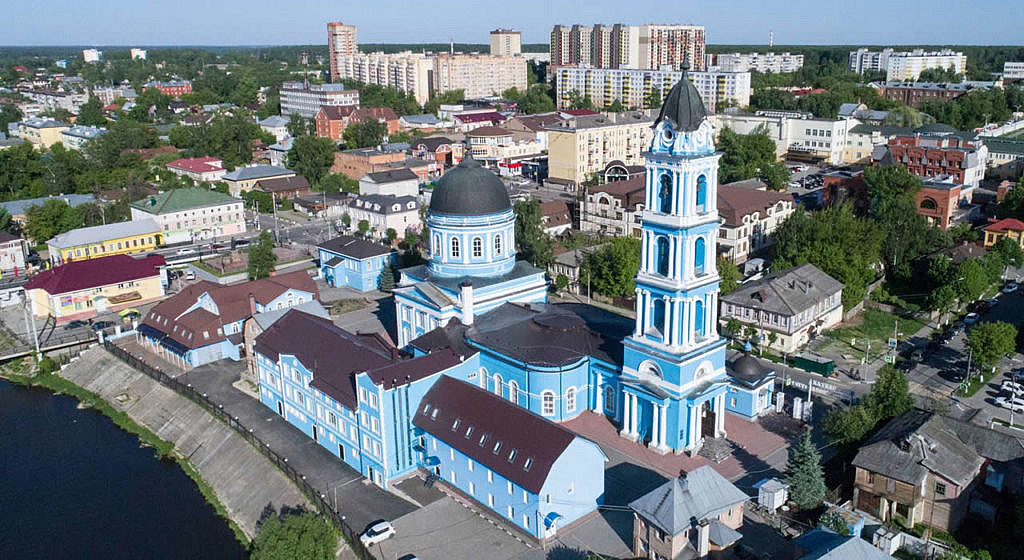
{"x": 352, "y": 262}
{"x": 472, "y": 267}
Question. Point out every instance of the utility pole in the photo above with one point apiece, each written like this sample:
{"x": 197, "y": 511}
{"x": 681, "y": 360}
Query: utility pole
{"x": 30, "y": 323}
{"x": 273, "y": 204}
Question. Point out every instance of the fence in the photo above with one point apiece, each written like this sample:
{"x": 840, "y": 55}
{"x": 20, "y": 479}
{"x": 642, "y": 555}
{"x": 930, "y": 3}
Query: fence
{"x": 318, "y": 499}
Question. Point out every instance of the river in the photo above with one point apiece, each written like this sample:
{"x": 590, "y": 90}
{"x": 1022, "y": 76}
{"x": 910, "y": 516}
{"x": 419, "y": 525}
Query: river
{"x": 73, "y": 485}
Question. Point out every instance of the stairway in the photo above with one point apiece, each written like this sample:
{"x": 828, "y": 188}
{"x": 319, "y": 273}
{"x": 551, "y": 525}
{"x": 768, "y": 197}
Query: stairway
{"x": 716, "y": 450}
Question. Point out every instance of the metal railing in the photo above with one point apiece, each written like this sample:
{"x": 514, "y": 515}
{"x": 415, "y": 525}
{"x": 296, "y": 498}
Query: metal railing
{"x": 317, "y": 498}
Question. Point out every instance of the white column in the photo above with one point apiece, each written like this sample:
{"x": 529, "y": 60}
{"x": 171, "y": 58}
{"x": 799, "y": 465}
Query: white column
{"x": 654, "y": 426}
{"x": 677, "y": 191}
{"x": 625, "y": 414}
{"x": 664, "y": 423}
{"x": 633, "y": 421}
{"x": 637, "y": 330}
{"x": 599, "y": 395}
{"x": 691, "y": 429}
{"x": 720, "y": 416}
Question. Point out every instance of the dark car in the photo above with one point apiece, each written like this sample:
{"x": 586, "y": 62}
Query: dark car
{"x": 75, "y": 324}
{"x": 906, "y": 365}
{"x": 100, "y": 325}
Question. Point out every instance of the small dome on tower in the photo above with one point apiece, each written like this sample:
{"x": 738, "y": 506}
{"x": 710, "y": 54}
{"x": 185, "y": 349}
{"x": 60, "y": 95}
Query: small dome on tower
{"x": 469, "y": 189}
{"x": 683, "y": 107}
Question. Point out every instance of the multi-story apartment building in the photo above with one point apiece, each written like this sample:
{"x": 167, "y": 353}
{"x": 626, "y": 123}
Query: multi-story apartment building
{"x": 478, "y": 75}
{"x": 138, "y": 54}
{"x": 496, "y": 145}
{"x": 341, "y": 41}
{"x": 913, "y": 93}
{"x": 135, "y": 236}
{"x": 633, "y": 88}
{"x": 406, "y": 71}
{"x": 506, "y": 42}
{"x": 930, "y": 156}
{"x": 73, "y": 138}
{"x": 42, "y": 133}
{"x": 1013, "y": 70}
{"x": 306, "y": 100}
{"x": 796, "y": 304}
{"x": 749, "y": 217}
{"x": 51, "y": 99}
{"x": 92, "y": 55}
{"x": 628, "y": 46}
{"x": 906, "y": 65}
{"x": 761, "y": 62}
{"x": 796, "y": 135}
{"x": 175, "y": 89}
{"x": 208, "y": 168}
{"x": 586, "y": 144}
{"x": 107, "y": 95}
{"x": 192, "y": 214}
{"x": 615, "y": 208}
{"x": 382, "y": 212}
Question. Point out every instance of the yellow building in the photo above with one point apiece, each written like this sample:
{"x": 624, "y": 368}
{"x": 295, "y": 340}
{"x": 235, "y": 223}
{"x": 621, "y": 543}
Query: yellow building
{"x": 586, "y": 144}
{"x": 82, "y": 289}
{"x": 42, "y": 133}
{"x": 1007, "y": 227}
{"x": 136, "y": 236}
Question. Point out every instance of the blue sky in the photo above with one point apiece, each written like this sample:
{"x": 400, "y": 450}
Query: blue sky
{"x": 272, "y": 22}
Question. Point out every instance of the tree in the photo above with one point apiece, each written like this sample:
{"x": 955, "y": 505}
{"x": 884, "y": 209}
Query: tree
{"x": 386, "y": 283}
{"x": 729, "y": 275}
{"x": 1009, "y": 252}
{"x": 804, "y": 475}
{"x": 848, "y": 425}
{"x": 743, "y": 154}
{"x": 228, "y": 137}
{"x": 391, "y": 235}
{"x": 52, "y": 218}
{"x": 580, "y": 101}
{"x": 942, "y": 299}
{"x": 1012, "y": 205}
{"x": 653, "y": 99}
{"x": 615, "y": 107}
{"x": 9, "y": 113}
{"x": 264, "y": 201}
{"x": 299, "y": 126}
{"x": 365, "y": 134}
{"x": 561, "y": 282}
{"x": 7, "y": 223}
{"x": 775, "y": 175}
{"x": 834, "y": 521}
{"x": 971, "y": 280}
{"x": 346, "y": 221}
{"x": 534, "y": 245}
{"x": 904, "y": 116}
{"x": 961, "y": 552}
{"x": 611, "y": 269}
{"x": 363, "y": 226}
{"x": 336, "y": 182}
{"x": 735, "y": 328}
{"x": 990, "y": 341}
{"x": 888, "y": 183}
{"x": 295, "y": 535}
{"x": 312, "y": 157}
{"x": 261, "y": 257}
{"x": 91, "y": 113}
{"x": 446, "y": 98}
{"x": 890, "y": 394}
{"x": 108, "y": 150}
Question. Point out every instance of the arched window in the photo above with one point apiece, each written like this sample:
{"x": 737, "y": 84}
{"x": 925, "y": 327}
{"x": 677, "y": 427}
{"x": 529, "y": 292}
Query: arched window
{"x": 478, "y": 247}
{"x": 661, "y": 255}
{"x": 609, "y": 398}
{"x": 436, "y": 249}
{"x": 570, "y": 399}
{"x": 665, "y": 194}
{"x": 483, "y": 378}
{"x": 702, "y": 193}
{"x": 497, "y": 245}
{"x": 455, "y": 248}
{"x": 658, "y": 316}
{"x": 547, "y": 403}
{"x": 698, "y": 257}
{"x": 928, "y": 204}
{"x": 497, "y": 384}
{"x": 698, "y": 318}
{"x": 513, "y": 392}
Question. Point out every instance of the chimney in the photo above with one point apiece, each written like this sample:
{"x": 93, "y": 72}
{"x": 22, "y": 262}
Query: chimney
{"x": 252, "y": 304}
{"x": 466, "y": 295}
{"x": 703, "y": 539}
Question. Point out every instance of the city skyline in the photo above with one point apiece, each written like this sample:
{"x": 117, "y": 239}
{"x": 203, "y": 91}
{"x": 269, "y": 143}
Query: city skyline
{"x": 71, "y": 23}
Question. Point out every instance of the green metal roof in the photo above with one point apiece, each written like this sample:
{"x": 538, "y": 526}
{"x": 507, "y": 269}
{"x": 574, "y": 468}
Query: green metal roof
{"x": 1004, "y": 145}
{"x": 176, "y": 200}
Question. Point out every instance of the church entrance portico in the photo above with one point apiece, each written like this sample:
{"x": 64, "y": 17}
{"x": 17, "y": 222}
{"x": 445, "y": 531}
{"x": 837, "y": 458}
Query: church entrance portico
{"x": 645, "y": 414}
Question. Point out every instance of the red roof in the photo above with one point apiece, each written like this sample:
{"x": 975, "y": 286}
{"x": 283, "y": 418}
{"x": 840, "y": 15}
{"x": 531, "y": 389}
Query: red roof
{"x": 93, "y": 273}
{"x": 1005, "y": 225}
{"x": 197, "y": 165}
{"x": 493, "y": 117}
{"x": 337, "y": 113}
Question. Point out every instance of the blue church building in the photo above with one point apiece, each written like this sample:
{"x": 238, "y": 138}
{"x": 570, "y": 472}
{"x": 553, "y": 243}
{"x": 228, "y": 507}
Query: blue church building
{"x": 353, "y": 262}
{"x": 486, "y": 371}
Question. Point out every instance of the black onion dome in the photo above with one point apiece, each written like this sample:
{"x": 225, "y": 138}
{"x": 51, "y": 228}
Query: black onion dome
{"x": 469, "y": 189}
{"x": 747, "y": 368}
{"x": 683, "y": 107}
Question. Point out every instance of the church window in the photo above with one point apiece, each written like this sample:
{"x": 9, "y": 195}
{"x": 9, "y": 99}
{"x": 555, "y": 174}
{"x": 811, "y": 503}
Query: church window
{"x": 547, "y": 403}
{"x": 570, "y": 400}
{"x": 658, "y": 317}
{"x": 698, "y": 257}
{"x": 497, "y": 244}
{"x": 483, "y": 378}
{"x": 609, "y": 398}
{"x": 455, "y": 248}
{"x": 665, "y": 194}
{"x": 437, "y": 244}
{"x": 702, "y": 193}
{"x": 497, "y": 384}
{"x": 698, "y": 318}
{"x": 478, "y": 247}
{"x": 513, "y": 392}
{"x": 661, "y": 252}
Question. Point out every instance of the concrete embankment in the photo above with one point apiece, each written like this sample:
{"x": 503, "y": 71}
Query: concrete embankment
{"x": 244, "y": 481}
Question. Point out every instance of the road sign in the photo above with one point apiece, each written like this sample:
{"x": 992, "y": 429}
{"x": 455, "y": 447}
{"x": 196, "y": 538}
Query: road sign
{"x": 853, "y": 342}
{"x": 889, "y": 358}
{"x": 892, "y": 343}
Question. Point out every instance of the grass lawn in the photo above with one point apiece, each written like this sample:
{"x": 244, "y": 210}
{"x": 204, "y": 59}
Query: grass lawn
{"x": 876, "y": 326}
{"x": 342, "y": 306}
{"x": 977, "y": 382}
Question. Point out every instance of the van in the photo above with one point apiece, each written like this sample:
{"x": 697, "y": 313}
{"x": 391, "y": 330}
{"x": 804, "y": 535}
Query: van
{"x": 190, "y": 275}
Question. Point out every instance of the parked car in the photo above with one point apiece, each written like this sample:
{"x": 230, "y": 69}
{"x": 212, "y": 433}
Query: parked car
{"x": 1012, "y": 387}
{"x": 956, "y": 328}
{"x": 971, "y": 318}
{"x": 100, "y": 325}
{"x": 917, "y": 355}
{"x": 992, "y": 302}
{"x": 1010, "y": 288}
{"x": 190, "y": 275}
{"x": 409, "y": 557}
{"x": 186, "y": 251}
{"x": 906, "y": 365}
{"x": 1017, "y": 405}
{"x": 377, "y": 531}
{"x": 75, "y": 324}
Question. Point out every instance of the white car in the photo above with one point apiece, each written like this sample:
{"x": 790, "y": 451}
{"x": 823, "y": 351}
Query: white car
{"x": 1013, "y": 388}
{"x": 971, "y": 318}
{"x": 1017, "y": 404}
{"x": 1010, "y": 288}
{"x": 379, "y": 531}
{"x": 186, "y": 251}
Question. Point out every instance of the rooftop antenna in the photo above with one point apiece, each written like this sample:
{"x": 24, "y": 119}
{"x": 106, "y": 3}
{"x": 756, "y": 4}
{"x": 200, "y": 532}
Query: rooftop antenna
{"x": 451, "y": 46}
{"x": 771, "y": 38}
{"x": 304, "y": 59}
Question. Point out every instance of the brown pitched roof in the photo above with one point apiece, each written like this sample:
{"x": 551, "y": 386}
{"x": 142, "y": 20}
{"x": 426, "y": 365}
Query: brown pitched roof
{"x": 734, "y": 202}
{"x": 488, "y": 131}
{"x": 629, "y": 192}
{"x": 555, "y": 213}
{"x": 538, "y": 122}
{"x": 283, "y": 184}
{"x": 380, "y": 113}
{"x": 336, "y": 113}
{"x": 452, "y": 407}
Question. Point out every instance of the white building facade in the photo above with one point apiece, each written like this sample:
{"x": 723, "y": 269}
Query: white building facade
{"x": 297, "y": 98}
{"x": 761, "y": 62}
{"x": 634, "y": 87}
